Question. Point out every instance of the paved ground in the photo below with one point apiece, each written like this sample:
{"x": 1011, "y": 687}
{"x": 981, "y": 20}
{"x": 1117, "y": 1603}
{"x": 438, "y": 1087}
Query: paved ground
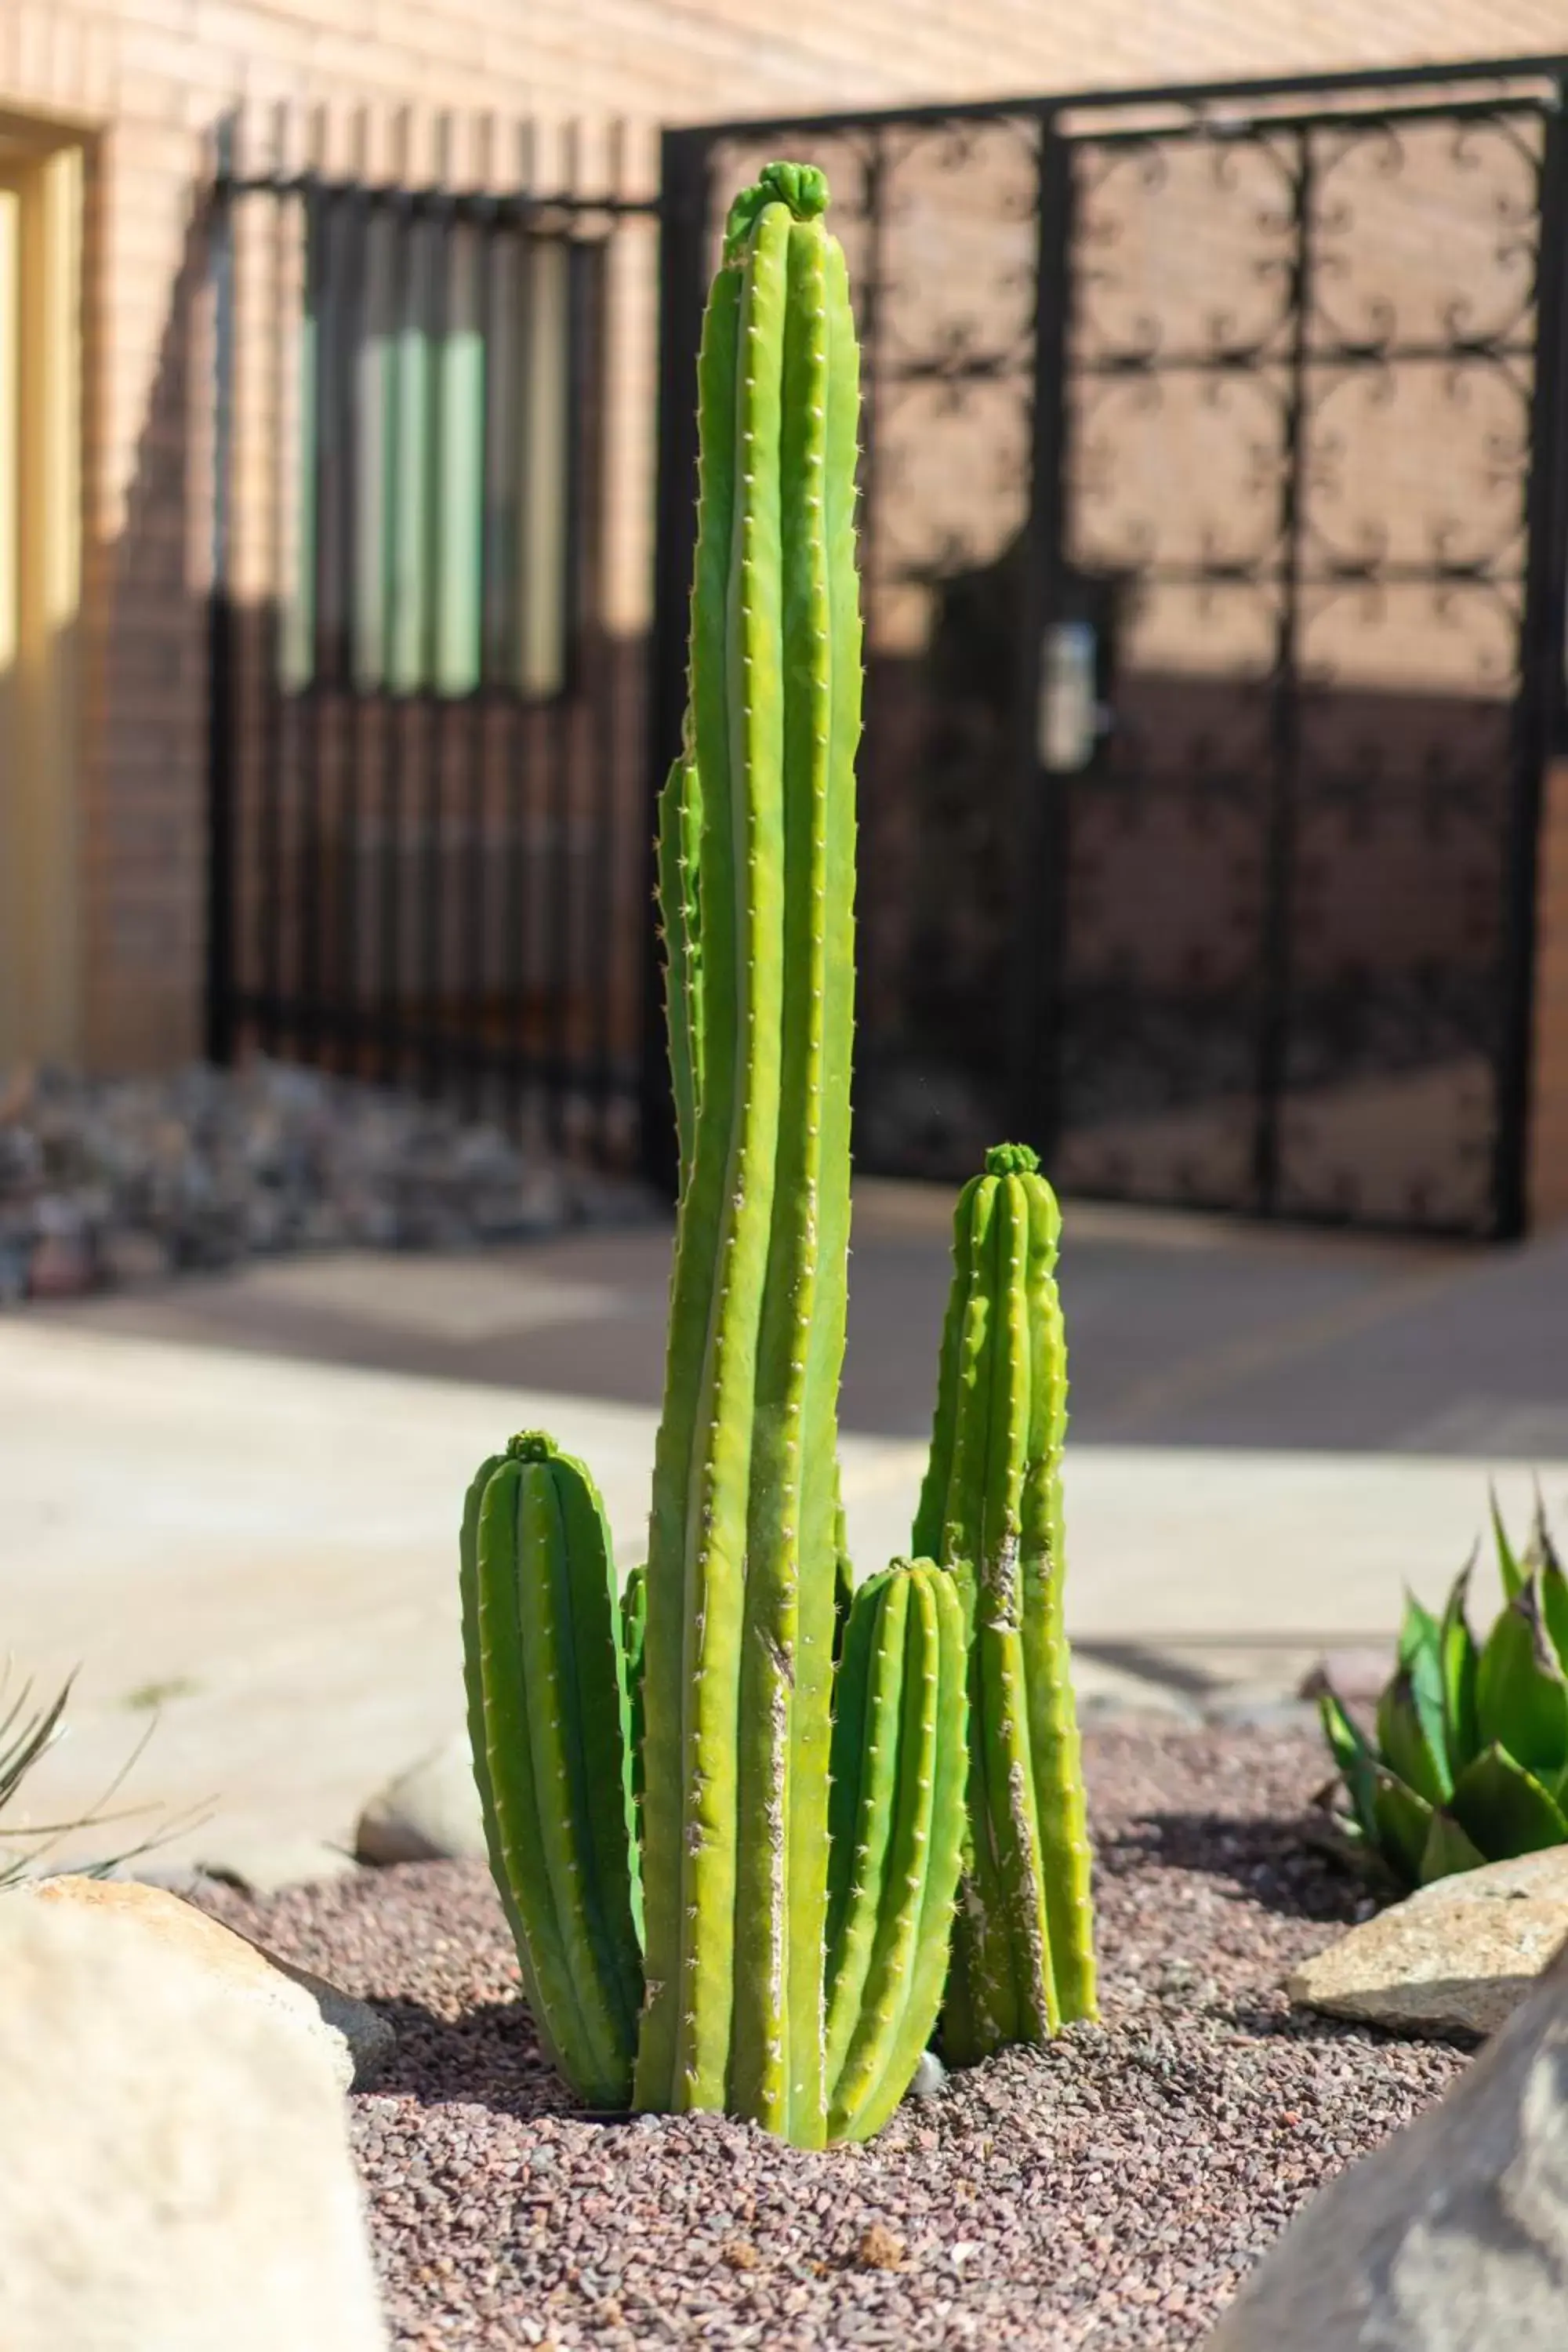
{"x": 1184, "y": 1332}
{"x": 233, "y": 1531}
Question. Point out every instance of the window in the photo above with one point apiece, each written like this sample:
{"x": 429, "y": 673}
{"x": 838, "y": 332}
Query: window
{"x": 444, "y": 443}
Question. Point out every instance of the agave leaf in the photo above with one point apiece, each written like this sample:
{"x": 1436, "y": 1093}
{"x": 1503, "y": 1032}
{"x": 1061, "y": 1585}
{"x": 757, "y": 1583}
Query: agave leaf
{"x": 1521, "y": 1692}
{"x": 1504, "y": 1810}
{"x": 1509, "y": 1566}
{"x": 1547, "y": 1563}
{"x": 1460, "y": 1658}
{"x": 1420, "y": 1635}
{"x": 1410, "y": 1731}
{"x": 1356, "y": 1758}
{"x": 1448, "y": 1849}
{"x": 1404, "y": 1826}
{"x": 1539, "y": 1550}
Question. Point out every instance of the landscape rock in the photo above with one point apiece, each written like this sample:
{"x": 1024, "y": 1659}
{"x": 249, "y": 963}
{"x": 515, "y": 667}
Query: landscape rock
{"x": 1453, "y": 2237}
{"x": 354, "y": 2039}
{"x": 1457, "y": 1958}
{"x": 122, "y": 1181}
{"x": 259, "y": 1865}
{"x": 177, "y": 2175}
{"x": 429, "y": 1813}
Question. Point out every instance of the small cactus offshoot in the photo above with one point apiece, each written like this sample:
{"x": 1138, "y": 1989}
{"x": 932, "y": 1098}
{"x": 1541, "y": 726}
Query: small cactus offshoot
{"x": 1468, "y": 1760}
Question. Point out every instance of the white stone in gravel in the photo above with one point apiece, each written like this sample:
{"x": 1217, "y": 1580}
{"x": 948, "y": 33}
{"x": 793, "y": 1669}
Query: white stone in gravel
{"x": 1451, "y": 2238}
{"x": 428, "y": 1813}
{"x": 1458, "y": 1957}
{"x": 177, "y": 2175}
{"x": 265, "y": 1865}
{"x": 355, "y": 2040}
{"x": 929, "y": 2076}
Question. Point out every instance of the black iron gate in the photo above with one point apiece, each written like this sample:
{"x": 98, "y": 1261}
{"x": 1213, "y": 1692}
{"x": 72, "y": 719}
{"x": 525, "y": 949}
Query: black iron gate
{"x": 428, "y": 717}
{"x": 1212, "y": 545}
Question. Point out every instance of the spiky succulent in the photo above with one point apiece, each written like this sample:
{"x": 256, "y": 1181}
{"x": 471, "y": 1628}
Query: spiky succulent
{"x": 1468, "y": 1760}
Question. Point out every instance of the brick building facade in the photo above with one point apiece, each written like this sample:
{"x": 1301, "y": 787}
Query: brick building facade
{"x": 106, "y": 113}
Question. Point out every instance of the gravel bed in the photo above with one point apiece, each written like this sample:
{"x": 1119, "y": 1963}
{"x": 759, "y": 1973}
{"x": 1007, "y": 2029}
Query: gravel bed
{"x": 1110, "y": 2191}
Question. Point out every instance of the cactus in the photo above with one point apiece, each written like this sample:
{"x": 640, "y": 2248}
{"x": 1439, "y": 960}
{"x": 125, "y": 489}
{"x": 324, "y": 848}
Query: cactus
{"x": 896, "y": 1837}
{"x": 1468, "y": 1760}
{"x": 792, "y": 1967}
{"x": 990, "y": 1512}
{"x": 548, "y": 1726}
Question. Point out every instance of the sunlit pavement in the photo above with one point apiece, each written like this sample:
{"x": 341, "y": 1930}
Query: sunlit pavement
{"x": 1271, "y": 1435}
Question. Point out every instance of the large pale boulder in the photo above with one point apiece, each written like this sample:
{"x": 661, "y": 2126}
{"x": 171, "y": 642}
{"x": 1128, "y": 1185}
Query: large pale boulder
{"x": 355, "y": 2039}
{"x": 1451, "y": 2238}
{"x": 176, "y": 2176}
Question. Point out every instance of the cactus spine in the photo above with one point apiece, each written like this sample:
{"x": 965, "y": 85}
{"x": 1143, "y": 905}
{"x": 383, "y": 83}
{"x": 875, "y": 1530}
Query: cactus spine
{"x": 991, "y": 1511}
{"x": 755, "y": 2001}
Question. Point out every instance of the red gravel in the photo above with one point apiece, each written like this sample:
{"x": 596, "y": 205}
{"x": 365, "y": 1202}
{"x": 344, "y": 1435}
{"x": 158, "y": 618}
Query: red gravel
{"x": 1109, "y": 2191}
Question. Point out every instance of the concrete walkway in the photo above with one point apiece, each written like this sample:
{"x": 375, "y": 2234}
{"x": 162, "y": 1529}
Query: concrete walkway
{"x": 262, "y": 1551}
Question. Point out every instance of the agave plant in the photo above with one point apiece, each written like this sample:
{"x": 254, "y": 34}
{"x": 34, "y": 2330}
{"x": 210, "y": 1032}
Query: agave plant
{"x": 1469, "y": 1761}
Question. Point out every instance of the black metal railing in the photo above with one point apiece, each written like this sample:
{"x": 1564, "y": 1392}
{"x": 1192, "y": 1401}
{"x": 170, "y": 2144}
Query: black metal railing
{"x": 1213, "y": 488}
{"x": 428, "y": 728}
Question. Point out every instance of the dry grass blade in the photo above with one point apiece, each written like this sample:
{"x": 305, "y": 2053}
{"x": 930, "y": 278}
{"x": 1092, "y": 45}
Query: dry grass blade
{"x": 30, "y": 1738}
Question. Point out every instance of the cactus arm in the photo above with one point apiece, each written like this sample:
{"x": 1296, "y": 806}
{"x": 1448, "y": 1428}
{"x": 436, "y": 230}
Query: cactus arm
{"x": 982, "y": 1965}
{"x": 906, "y": 1856}
{"x": 600, "y": 1723}
{"x": 676, "y": 1583}
{"x": 865, "y": 1776}
{"x": 783, "y": 1769}
{"x": 680, "y": 825}
{"x": 479, "y": 1737}
{"x": 696, "y": 1549}
{"x": 998, "y": 1645}
{"x": 518, "y": 1831}
{"x": 1053, "y": 1722}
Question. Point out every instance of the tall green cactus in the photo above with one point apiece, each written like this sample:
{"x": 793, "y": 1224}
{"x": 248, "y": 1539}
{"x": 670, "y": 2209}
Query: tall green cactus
{"x": 756, "y": 1999}
{"x": 991, "y": 1511}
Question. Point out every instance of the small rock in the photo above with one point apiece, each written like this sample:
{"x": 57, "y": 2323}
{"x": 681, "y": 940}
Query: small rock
{"x": 429, "y": 1813}
{"x": 1457, "y": 1958}
{"x": 1451, "y": 2238}
{"x": 357, "y": 2040}
{"x": 185, "y": 2179}
{"x": 265, "y": 1865}
{"x": 880, "y": 2249}
{"x": 929, "y": 2076}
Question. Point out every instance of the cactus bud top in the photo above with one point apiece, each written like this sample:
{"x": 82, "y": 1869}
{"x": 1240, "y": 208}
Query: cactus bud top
{"x": 532, "y": 1445}
{"x": 802, "y": 187}
{"x": 1011, "y": 1159}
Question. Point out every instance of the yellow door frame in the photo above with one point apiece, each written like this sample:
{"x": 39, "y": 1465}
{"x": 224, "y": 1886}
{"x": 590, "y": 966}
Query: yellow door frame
{"x": 41, "y": 174}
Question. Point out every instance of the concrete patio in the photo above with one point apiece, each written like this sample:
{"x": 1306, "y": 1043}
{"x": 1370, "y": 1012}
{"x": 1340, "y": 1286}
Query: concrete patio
{"x": 1272, "y": 1434}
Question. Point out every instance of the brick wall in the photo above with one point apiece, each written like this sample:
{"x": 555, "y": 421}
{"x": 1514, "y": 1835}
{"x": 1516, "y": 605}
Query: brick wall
{"x": 146, "y": 79}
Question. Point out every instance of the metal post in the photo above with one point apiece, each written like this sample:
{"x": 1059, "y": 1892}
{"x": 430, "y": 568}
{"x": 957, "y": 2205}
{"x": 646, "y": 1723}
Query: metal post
{"x": 1034, "y": 1074}
{"x": 1540, "y": 709}
{"x": 220, "y": 972}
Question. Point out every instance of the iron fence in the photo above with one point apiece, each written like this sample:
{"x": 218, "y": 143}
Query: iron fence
{"x": 1212, "y": 545}
{"x": 428, "y": 724}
